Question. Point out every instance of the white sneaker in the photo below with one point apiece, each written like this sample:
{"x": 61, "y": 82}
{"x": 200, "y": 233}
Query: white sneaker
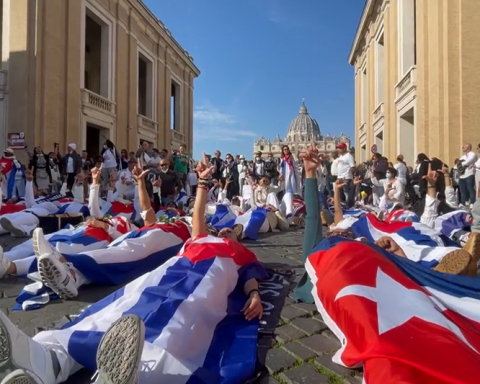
{"x": 4, "y": 264}
{"x": 120, "y": 352}
{"x": 8, "y": 226}
{"x": 41, "y": 246}
{"x": 57, "y": 276}
{"x": 22, "y": 360}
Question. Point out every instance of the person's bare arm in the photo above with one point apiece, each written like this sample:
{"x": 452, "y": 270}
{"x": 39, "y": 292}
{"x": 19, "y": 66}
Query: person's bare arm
{"x": 148, "y": 214}
{"x": 204, "y": 170}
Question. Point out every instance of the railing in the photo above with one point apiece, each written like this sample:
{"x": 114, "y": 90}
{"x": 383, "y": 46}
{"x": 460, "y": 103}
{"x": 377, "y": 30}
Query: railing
{"x": 178, "y": 136}
{"x": 362, "y": 128}
{"x": 378, "y": 112}
{"x": 408, "y": 81}
{"x": 3, "y": 80}
{"x": 91, "y": 99}
{"x": 145, "y": 122}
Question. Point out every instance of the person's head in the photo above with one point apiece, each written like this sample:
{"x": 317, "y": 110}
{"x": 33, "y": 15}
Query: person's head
{"x": 270, "y": 155}
{"x": 241, "y": 158}
{"x": 108, "y": 144}
{"x": 72, "y": 147}
{"x": 131, "y": 164}
{"x": 236, "y": 201}
{"x": 410, "y": 170}
{"x": 342, "y": 232}
{"x": 228, "y": 158}
{"x": 376, "y": 156}
{"x": 51, "y": 155}
{"x": 467, "y": 147}
{"x": 422, "y": 157}
{"x": 400, "y": 158}
{"x": 227, "y": 233}
{"x": 218, "y": 154}
{"x": 156, "y": 152}
{"x": 334, "y": 154}
{"x": 391, "y": 173}
{"x": 456, "y": 161}
{"x": 164, "y": 152}
{"x": 38, "y": 150}
{"x": 8, "y": 152}
{"x": 172, "y": 204}
{"x": 389, "y": 164}
{"x": 264, "y": 181}
{"x": 215, "y": 182}
{"x": 132, "y": 155}
{"x": 145, "y": 145}
{"x": 84, "y": 154}
{"x": 164, "y": 164}
{"x": 124, "y": 154}
{"x": 286, "y": 150}
{"x": 258, "y": 156}
{"x": 342, "y": 148}
{"x": 181, "y": 149}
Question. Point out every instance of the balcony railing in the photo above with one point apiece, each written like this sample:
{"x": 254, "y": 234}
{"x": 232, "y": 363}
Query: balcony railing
{"x": 91, "y": 99}
{"x": 146, "y": 123}
{"x": 3, "y": 80}
{"x": 178, "y": 136}
{"x": 407, "y": 82}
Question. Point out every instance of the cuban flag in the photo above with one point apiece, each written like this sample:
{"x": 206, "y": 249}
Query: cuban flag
{"x": 131, "y": 255}
{"x": 182, "y": 197}
{"x": 402, "y": 215}
{"x": 404, "y": 323}
{"x": 115, "y": 208}
{"x": 74, "y": 208}
{"x": 452, "y": 222}
{"x": 191, "y": 308}
{"x": 252, "y": 220}
{"x": 348, "y": 212}
{"x": 419, "y": 242}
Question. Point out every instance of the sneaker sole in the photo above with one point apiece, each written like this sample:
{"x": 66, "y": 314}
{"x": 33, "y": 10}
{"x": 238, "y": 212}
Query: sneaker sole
{"x": 50, "y": 274}
{"x": 120, "y": 351}
{"x": 454, "y": 263}
{"x": 36, "y": 248}
{"x": 473, "y": 248}
{"x": 8, "y": 226}
{"x": 19, "y": 376}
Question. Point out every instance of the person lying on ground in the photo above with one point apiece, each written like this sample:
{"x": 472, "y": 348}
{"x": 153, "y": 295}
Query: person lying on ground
{"x": 165, "y": 322}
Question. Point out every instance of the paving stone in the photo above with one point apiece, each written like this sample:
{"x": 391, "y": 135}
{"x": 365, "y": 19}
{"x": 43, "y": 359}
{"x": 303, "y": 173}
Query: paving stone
{"x": 289, "y": 313}
{"x": 287, "y": 333}
{"x": 326, "y": 362}
{"x": 320, "y": 344}
{"x": 354, "y": 380}
{"x": 299, "y": 351}
{"x": 267, "y": 380}
{"x": 289, "y": 301}
{"x": 305, "y": 374}
{"x": 311, "y": 309}
{"x": 308, "y": 325}
{"x": 278, "y": 360}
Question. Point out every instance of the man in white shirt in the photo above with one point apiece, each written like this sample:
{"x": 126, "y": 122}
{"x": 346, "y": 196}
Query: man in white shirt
{"x": 467, "y": 175}
{"x": 345, "y": 165}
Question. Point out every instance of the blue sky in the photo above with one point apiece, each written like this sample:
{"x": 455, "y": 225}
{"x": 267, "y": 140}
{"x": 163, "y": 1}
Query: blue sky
{"x": 259, "y": 59}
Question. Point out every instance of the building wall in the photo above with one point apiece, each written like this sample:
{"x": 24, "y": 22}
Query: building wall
{"x": 45, "y": 63}
{"x": 443, "y": 87}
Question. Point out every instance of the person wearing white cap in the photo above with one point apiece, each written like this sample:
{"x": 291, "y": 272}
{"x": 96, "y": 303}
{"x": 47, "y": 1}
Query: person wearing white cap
{"x": 72, "y": 165}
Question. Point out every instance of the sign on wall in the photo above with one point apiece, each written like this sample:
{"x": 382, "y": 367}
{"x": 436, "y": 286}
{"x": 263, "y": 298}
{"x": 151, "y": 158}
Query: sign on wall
{"x": 374, "y": 148}
{"x": 16, "y": 140}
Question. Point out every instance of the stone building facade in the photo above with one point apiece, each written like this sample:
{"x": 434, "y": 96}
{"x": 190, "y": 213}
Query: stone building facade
{"x": 417, "y": 84}
{"x": 302, "y": 131}
{"x": 83, "y": 71}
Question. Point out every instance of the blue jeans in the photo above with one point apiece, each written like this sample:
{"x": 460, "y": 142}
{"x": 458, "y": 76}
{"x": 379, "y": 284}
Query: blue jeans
{"x": 467, "y": 189}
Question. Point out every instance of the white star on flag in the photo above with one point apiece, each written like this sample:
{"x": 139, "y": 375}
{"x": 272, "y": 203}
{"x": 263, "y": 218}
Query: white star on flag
{"x": 397, "y": 304}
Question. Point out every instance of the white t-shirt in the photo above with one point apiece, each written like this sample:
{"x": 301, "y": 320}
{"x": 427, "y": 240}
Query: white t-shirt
{"x": 344, "y": 166}
{"x": 469, "y": 159}
{"x": 192, "y": 179}
{"x": 401, "y": 171}
{"x": 334, "y": 168}
{"x": 397, "y": 192}
{"x": 109, "y": 160}
{"x": 70, "y": 165}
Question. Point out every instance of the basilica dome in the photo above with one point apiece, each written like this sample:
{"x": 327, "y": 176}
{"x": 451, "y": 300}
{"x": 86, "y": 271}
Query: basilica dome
{"x": 303, "y": 128}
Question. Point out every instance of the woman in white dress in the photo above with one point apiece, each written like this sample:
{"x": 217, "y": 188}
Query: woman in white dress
{"x": 110, "y": 163}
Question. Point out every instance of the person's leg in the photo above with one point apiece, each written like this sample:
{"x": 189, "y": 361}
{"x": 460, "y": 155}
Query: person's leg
{"x": 70, "y": 181}
{"x": 20, "y": 225}
{"x": 462, "y": 184}
{"x": 470, "y": 180}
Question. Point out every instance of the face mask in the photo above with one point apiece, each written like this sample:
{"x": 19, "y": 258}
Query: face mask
{"x": 389, "y": 175}
{"x": 164, "y": 170}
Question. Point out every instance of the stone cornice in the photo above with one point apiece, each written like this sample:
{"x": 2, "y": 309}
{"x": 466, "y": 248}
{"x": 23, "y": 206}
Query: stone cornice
{"x": 363, "y": 25}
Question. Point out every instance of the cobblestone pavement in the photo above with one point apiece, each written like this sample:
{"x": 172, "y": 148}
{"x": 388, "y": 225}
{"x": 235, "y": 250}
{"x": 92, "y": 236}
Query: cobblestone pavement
{"x": 301, "y": 351}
